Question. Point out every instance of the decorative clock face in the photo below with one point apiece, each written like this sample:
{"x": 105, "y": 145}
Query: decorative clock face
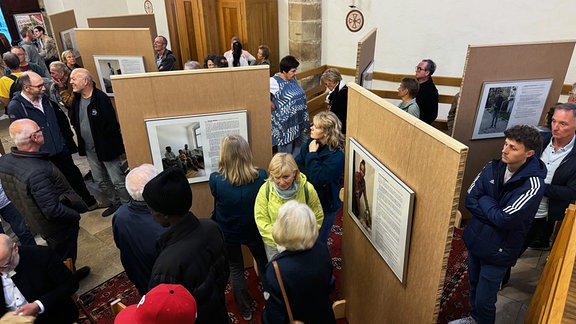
{"x": 148, "y": 7}
{"x": 354, "y": 20}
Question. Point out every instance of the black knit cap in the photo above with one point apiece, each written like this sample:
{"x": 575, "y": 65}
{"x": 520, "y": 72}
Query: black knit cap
{"x": 169, "y": 193}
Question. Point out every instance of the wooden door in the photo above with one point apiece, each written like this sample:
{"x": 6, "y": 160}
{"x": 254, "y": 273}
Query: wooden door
{"x": 231, "y": 14}
{"x": 193, "y": 26}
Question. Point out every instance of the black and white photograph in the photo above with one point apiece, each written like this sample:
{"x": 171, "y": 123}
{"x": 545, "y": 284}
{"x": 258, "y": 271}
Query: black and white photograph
{"x": 506, "y": 104}
{"x": 108, "y": 66}
{"x": 69, "y": 42}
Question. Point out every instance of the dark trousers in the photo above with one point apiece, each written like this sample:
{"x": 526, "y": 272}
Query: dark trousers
{"x": 63, "y": 161}
{"x": 237, "y": 278}
{"x": 65, "y": 242}
{"x": 540, "y": 232}
{"x": 485, "y": 281}
{"x": 13, "y": 217}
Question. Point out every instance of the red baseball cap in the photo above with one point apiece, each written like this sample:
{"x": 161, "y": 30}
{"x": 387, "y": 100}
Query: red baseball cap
{"x": 163, "y": 304}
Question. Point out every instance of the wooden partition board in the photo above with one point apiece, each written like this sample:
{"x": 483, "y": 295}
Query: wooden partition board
{"x": 554, "y": 301}
{"x": 365, "y": 55}
{"x": 182, "y": 93}
{"x": 60, "y": 22}
{"x": 430, "y": 163}
{"x": 126, "y": 21}
{"x": 504, "y": 62}
{"x": 115, "y": 41}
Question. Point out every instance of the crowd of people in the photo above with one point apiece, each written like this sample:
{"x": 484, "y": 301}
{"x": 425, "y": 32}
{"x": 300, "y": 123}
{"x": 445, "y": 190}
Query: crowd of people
{"x": 283, "y": 214}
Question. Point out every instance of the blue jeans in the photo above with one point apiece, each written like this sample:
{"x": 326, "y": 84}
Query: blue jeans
{"x": 326, "y": 227}
{"x": 237, "y": 278}
{"x": 485, "y": 280}
{"x": 13, "y": 217}
{"x": 109, "y": 177}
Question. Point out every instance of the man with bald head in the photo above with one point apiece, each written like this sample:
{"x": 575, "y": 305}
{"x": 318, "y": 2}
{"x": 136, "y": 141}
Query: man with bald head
{"x": 40, "y": 192}
{"x": 165, "y": 59}
{"x": 36, "y": 283}
{"x": 33, "y": 103}
{"x": 99, "y": 137}
{"x": 135, "y": 231}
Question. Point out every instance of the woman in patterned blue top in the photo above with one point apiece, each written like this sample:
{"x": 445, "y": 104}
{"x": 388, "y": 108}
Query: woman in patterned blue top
{"x": 289, "y": 110}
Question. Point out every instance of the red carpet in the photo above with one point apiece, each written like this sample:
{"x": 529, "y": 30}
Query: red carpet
{"x": 455, "y": 301}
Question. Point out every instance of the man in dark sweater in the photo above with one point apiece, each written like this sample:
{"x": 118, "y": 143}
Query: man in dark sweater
{"x": 427, "y": 98}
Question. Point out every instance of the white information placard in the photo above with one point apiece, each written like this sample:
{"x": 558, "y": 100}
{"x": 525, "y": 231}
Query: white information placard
{"x": 381, "y": 204}
{"x": 201, "y": 134}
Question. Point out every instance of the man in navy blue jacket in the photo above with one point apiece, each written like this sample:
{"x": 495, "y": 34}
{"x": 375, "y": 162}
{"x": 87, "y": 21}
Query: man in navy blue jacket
{"x": 503, "y": 200}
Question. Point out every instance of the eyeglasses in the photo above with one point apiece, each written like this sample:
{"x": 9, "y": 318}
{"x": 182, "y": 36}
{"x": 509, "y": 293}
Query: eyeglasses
{"x": 40, "y": 86}
{"x": 420, "y": 69}
{"x": 37, "y": 131}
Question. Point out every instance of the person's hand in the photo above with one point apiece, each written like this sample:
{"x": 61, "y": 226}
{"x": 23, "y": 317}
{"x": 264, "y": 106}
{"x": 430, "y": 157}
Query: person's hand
{"x": 58, "y": 82}
{"x": 313, "y": 146}
{"x": 272, "y": 106}
{"x": 31, "y": 309}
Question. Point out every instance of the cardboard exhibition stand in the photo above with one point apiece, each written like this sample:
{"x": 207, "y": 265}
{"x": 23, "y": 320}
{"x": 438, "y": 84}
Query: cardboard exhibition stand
{"x": 126, "y": 21}
{"x": 183, "y": 93}
{"x": 505, "y": 62}
{"x": 430, "y": 163}
{"x": 96, "y": 41}
{"x": 60, "y": 22}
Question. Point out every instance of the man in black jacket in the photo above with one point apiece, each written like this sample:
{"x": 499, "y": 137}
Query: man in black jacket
{"x": 427, "y": 98}
{"x": 559, "y": 155}
{"x": 191, "y": 250}
{"x": 99, "y": 137}
{"x": 40, "y": 192}
{"x": 34, "y": 104}
{"x": 44, "y": 284}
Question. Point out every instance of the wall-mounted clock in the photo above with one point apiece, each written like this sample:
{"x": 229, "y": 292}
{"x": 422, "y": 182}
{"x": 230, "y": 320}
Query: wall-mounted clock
{"x": 148, "y": 8}
{"x": 354, "y": 20}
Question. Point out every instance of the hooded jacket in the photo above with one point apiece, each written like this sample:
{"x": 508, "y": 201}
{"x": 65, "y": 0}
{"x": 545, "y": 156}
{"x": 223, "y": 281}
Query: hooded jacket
{"x": 503, "y": 212}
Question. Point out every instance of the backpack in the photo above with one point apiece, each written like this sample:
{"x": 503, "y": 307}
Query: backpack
{"x": 15, "y": 87}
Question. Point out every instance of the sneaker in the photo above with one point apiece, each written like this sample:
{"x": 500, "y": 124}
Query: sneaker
{"x": 247, "y": 316}
{"x": 82, "y": 273}
{"x": 97, "y": 205}
{"x": 465, "y": 320}
{"x": 110, "y": 210}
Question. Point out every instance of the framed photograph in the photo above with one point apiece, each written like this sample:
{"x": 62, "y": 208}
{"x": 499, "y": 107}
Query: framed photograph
{"x": 499, "y": 106}
{"x": 107, "y": 66}
{"x": 367, "y": 76}
{"x": 382, "y": 207}
{"x": 30, "y": 20}
{"x": 69, "y": 42}
{"x": 192, "y": 143}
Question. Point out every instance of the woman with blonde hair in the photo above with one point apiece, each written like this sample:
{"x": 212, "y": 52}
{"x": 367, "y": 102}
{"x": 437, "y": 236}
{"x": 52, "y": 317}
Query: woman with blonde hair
{"x": 305, "y": 267}
{"x": 285, "y": 183}
{"x": 69, "y": 59}
{"x": 322, "y": 159}
{"x": 234, "y": 188}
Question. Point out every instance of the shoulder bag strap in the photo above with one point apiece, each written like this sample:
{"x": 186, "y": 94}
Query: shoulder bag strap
{"x": 279, "y": 277}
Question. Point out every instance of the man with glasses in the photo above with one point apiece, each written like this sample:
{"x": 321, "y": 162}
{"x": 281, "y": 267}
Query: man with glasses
{"x": 165, "y": 59}
{"x": 39, "y": 190}
{"x": 427, "y": 98}
{"x": 33, "y": 103}
{"x": 35, "y": 283}
{"x": 25, "y": 65}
